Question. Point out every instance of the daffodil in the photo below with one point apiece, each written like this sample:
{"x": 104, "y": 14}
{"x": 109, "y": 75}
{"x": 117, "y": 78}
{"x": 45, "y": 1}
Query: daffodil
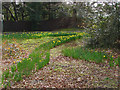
{"x": 104, "y": 56}
{"x": 14, "y": 62}
{"x": 40, "y": 60}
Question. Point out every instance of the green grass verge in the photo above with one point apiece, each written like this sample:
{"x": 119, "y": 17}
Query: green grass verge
{"x": 31, "y": 35}
{"x": 90, "y": 55}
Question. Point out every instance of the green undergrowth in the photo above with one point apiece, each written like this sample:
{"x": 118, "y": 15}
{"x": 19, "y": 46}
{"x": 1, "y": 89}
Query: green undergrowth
{"x": 34, "y": 35}
{"x": 91, "y": 55}
{"x": 37, "y": 59}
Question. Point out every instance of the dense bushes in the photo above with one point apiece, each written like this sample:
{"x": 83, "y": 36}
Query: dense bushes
{"x": 106, "y": 34}
{"x": 105, "y": 31}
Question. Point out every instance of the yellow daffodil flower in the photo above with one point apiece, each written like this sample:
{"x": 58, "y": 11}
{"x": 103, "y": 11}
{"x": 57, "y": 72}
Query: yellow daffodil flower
{"x": 40, "y": 60}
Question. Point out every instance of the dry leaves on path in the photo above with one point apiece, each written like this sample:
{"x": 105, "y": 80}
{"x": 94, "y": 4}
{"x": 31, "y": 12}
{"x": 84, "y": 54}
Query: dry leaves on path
{"x": 66, "y": 72}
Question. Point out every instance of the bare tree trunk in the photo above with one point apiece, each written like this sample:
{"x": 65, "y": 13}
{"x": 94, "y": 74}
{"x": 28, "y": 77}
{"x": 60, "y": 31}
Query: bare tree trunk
{"x": 49, "y": 12}
{"x": 74, "y": 15}
{"x": 9, "y": 12}
{"x": 7, "y": 16}
{"x": 23, "y": 11}
{"x": 15, "y": 10}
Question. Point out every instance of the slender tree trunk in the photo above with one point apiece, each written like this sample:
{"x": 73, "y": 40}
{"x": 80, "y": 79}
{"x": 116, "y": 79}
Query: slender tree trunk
{"x": 9, "y": 12}
{"x": 23, "y": 11}
{"x": 49, "y": 12}
{"x": 7, "y": 17}
{"x": 74, "y": 15}
{"x": 15, "y": 10}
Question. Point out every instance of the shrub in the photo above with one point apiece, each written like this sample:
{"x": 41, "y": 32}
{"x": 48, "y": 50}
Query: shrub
{"x": 106, "y": 33}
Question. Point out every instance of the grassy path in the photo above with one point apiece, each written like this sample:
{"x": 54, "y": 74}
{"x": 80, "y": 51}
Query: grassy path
{"x": 65, "y": 72}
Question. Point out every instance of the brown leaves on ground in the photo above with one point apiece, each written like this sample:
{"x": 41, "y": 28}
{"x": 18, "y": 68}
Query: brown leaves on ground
{"x": 66, "y": 72}
{"x": 12, "y": 52}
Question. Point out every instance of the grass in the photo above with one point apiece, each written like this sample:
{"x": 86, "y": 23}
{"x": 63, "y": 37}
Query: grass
{"x": 90, "y": 55}
{"x": 28, "y": 44}
{"x": 35, "y": 35}
{"x": 38, "y": 58}
{"x": 18, "y": 37}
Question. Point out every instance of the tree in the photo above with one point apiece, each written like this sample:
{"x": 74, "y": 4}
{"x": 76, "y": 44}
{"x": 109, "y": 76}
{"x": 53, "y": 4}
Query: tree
{"x": 6, "y": 9}
{"x": 14, "y": 12}
{"x": 105, "y": 30}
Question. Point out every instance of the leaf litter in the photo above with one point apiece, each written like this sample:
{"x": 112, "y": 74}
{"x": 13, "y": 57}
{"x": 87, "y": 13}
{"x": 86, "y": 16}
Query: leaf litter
{"x": 66, "y": 72}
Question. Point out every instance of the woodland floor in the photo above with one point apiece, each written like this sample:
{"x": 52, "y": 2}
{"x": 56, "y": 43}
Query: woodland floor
{"x": 66, "y": 72}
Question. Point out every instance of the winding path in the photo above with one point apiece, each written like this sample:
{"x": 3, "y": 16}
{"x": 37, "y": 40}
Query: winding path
{"x": 66, "y": 72}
